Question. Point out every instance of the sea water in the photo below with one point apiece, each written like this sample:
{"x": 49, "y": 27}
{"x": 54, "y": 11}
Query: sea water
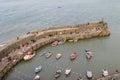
{"x": 17, "y": 17}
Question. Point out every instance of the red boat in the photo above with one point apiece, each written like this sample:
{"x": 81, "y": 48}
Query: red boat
{"x": 73, "y": 55}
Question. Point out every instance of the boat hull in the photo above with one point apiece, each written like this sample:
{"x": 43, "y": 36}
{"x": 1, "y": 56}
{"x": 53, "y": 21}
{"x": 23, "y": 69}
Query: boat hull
{"x": 38, "y": 69}
{"x": 48, "y": 55}
{"x": 58, "y": 73}
{"x": 73, "y": 56}
{"x": 104, "y": 72}
{"x": 37, "y": 77}
{"x": 58, "y": 56}
{"x": 28, "y": 57}
{"x": 89, "y": 75}
{"x": 67, "y": 72}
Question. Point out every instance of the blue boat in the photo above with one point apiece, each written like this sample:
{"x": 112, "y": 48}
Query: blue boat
{"x": 38, "y": 69}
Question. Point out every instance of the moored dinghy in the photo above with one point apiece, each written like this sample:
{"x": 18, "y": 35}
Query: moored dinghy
{"x": 37, "y": 77}
{"x": 58, "y": 56}
{"x": 55, "y": 43}
{"x": 89, "y": 74}
{"x": 29, "y": 56}
{"x": 67, "y": 71}
{"x": 71, "y": 40}
{"x": 105, "y": 72}
{"x": 89, "y": 54}
{"x": 48, "y": 54}
{"x": 38, "y": 69}
{"x": 62, "y": 41}
{"x": 58, "y": 73}
{"x": 73, "y": 55}
{"x": 79, "y": 77}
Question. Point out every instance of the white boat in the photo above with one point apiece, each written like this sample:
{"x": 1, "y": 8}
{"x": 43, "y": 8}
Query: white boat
{"x": 58, "y": 56}
{"x": 105, "y": 72}
{"x": 38, "y": 69}
{"x": 67, "y": 71}
{"x": 89, "y": 54}
{"x": 29, "y": 56}
{"x": 37, "y": 77}
{"x": 58, "y": 73}
{"x": 89, "y": 74}
{"x": 49, "y": 54}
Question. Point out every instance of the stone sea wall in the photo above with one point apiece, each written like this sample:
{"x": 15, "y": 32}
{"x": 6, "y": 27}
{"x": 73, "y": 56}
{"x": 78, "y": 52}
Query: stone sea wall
{"x": 14, "y": 44}
{"x": 38, "y": 38}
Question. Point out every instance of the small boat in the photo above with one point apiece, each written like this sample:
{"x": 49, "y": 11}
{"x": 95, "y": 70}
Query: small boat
{"x": 79, "y": 77}
{"x": 75, "y": 40}
{"x": 29, "y": 56}
{"x": 67, "y": 71}
{"x": 49, "y": 54}
{"x": 62, "y": 41}
{"x": 89, "y": 74}
{"x": 105, "y": 72}
{"x": 89, "y": 54}
{"x": 58, "y": 56}
{"x": 71, "y": 40}
{"x": 58, "y": 73}
{"x": 37, "y": 77}
{"x": 38, "y": 69}
{"x": 55, "y": 43}
{"x": 73, "y": 55}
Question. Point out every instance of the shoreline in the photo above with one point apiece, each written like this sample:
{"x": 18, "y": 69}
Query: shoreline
{"x": 36, "y": 39}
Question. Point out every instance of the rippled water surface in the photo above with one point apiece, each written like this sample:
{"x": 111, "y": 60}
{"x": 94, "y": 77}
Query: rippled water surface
{"x": 17, "y": 17}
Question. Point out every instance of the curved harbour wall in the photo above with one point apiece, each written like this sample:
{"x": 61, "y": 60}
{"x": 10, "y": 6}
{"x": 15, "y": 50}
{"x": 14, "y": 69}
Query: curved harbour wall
{"x": 35, "y": 39}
